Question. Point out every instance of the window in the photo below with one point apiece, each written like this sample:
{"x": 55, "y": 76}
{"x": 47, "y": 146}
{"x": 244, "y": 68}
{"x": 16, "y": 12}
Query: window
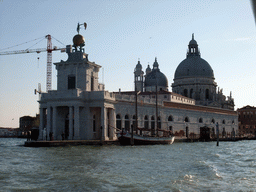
{"x": 94, "y": 124}
{"x": 170, "y": 118}
{"x": 152, "y": 122}
{"x": 127, "y": 123}
{"x": 71, "y": 82}
{"x": 200, "y": 120}
{"x": 213, "y": 121}
{"x": 185, "y": 92}
{"x": 207, "y": 94}
{"x": 223, "y": 122}
{"x": 118, "y": 122}
{"x": 134, "y": 121}
{"x": 186, "y": 119}
{"x": 146, "y": 122}
{"x": 159, "y": 123}
{"x": 191, "y": 93}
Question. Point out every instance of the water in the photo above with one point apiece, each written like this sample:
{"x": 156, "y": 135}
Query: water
{"x": 177, "y": 167}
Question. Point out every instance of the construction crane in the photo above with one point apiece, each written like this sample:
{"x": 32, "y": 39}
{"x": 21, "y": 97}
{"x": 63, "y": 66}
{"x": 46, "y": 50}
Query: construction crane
{"x": 49, "y": 50}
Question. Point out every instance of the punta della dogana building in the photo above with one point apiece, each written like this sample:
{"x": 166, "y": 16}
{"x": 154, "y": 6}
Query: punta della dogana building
{"x": 80, "y": 108}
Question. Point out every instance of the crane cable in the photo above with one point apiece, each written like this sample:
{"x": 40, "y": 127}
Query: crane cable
{"x": 22, "y": 43}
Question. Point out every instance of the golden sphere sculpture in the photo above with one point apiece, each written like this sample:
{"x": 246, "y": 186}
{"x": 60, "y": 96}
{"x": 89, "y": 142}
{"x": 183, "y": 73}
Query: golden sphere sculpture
{"x": 78, "y": 40}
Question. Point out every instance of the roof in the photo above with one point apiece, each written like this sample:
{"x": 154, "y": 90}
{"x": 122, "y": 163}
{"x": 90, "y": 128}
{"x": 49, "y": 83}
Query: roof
{"x": 199, "y": 108}
{"x": 193, "y": 66}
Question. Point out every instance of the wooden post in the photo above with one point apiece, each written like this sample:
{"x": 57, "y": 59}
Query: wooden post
{"x": 132, "y": 141}
{"x": 217, "y": 131}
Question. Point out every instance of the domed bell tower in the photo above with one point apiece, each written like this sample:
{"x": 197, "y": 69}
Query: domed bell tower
{"x": 138, "y": 77}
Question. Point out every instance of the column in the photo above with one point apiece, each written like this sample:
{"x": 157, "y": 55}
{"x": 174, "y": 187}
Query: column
{"x": 103, "y": 123}
{"x": 76, "y": 123}
{"x": 54, "y": 122}
{"x": 112, "y": 122}
{"x": 42, "y": 123}
{"x": 70, "y": 123}
{"x": 49, "y": 122}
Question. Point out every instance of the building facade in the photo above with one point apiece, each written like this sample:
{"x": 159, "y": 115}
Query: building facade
{"x": 80, "y": 108}
{"x": 247, "y": 120}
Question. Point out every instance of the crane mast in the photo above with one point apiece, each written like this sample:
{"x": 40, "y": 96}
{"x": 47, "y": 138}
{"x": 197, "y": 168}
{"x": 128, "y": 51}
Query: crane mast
{"x": 49, "y": 63}
{"x": 49, "y": 50}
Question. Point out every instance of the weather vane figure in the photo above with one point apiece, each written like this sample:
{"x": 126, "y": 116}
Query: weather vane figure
{"x": 78, "y": 27}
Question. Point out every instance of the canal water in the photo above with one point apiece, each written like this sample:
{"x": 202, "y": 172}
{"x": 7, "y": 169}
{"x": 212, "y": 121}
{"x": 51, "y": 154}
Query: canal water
{"x": 178, "y": 167}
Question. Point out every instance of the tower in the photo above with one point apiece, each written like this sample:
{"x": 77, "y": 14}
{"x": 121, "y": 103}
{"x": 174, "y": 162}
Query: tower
{"x": 138, "y": 77}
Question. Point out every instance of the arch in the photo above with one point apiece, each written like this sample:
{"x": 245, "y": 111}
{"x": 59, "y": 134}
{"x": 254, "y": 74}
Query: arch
{"x": 213, "y": 120}
{"x": 134, "y": 121}
{"x": 186, "y": 119}
{"x": 127, "y": 123}
{"x": 152, "y": 122}
{"x": 118, "y": 121}
{"x": 170, "y": 118}
{"x": 200, "y": 120}
{"x": 94, "y": 123}
{"x": 159, "y": 123}
{"x": 185, "y": 92}
{"x": 207, "y": 94}
{"x": 191, "y": 93}
{"x": 146, "y": 122}
{"x": 223, "y": 121}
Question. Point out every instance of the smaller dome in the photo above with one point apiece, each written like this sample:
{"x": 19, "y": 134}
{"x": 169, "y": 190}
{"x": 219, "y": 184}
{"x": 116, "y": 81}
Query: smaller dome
{"x": 155, "y": 65}
{"x": 155, "y": 76}
{"x": 78, "y": 40}
{"x": 138, "y": 66}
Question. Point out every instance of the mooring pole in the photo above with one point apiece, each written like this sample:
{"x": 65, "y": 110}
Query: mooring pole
{"x": 132, "y": 141}
{"x": 217, "y": 131}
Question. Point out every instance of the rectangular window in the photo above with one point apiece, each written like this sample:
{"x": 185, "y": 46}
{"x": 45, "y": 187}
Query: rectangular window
{"x": 71, "y": 82}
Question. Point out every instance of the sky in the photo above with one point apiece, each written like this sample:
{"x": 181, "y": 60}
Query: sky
{"x": 118, "y": 34}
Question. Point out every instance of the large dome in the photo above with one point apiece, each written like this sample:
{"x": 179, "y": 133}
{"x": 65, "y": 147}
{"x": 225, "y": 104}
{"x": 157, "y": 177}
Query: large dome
{"x": 150, "y": 79}
{"x": 193, "y": 66}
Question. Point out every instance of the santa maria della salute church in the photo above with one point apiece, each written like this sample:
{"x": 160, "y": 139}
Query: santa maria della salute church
{"x": 80, "y": 108}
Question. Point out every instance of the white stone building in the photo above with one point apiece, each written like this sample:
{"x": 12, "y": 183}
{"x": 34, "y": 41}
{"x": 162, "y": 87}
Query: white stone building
{"x": 80, "y": 108}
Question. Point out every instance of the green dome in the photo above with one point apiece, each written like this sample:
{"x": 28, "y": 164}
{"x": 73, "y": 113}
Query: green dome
{"x": 193, "y": 66}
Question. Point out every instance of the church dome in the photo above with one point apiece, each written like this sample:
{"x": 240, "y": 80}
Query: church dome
{"x": 194, "y": 66}
{"x": 150, "y": 79}
{"x": 155, "y": 76}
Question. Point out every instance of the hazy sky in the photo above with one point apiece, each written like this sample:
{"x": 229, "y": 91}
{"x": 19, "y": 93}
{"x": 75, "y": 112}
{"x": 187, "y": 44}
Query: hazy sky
{"x": 120, "y": 32}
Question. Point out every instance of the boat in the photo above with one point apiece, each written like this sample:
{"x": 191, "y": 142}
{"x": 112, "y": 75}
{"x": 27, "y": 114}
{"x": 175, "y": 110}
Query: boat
{"x": 129, "y": 138}
{"x": 126, "y": 138}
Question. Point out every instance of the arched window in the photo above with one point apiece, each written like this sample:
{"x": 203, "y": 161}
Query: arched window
{"x": 207, "y": 94}
{"x": 94, "y": 124}
{"x": 213, "y": 121}
{"x": 134, "y": 121}
{"x": 185, "y": 92}
{"x": 127, "y": 123}
{"x": 200, "y": 120}
{"x": 118, "y": 122}
{"x": 159, "y": 123}
{"x": 170, "y": 118}
{"x": 152, "y": 122}
{"x": 223, "y": 122}
{"x": 191, "y": 93}
{"x": 186, "y": 119}
{"x": 146, "y": 122}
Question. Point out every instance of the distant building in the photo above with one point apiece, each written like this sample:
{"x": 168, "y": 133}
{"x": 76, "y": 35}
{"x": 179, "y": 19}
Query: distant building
{"x": 27, "y": 123}
{"x": 8, "y": 132}
{"x": 80, "y": 108}
{"x": 247, "y": 120}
